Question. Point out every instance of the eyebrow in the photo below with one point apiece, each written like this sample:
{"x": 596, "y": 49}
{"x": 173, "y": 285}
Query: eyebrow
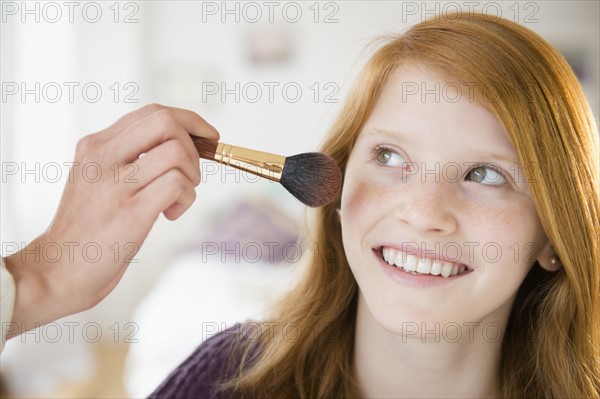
{"x": 500, "y": 157}
{"x": 382, "y": 132}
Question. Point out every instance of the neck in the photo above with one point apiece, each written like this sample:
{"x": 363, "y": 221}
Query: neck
{"x": 391, "y": 365}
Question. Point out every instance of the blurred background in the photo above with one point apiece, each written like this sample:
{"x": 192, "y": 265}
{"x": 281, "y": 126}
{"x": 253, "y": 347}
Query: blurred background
{"x": 267, "y": 75}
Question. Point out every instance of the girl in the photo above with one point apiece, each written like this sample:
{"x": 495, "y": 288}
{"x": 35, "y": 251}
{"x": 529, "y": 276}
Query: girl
{"x": 461, "y": 258}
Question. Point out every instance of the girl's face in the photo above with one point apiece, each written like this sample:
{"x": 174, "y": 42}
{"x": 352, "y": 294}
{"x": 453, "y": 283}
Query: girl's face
{"x": 438, "y": 224}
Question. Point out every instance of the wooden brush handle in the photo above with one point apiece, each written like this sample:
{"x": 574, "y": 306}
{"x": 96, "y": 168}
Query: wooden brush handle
{"x": 259, "y": 163}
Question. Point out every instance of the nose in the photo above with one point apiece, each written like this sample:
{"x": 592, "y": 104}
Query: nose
{"x": 427, "y": 206}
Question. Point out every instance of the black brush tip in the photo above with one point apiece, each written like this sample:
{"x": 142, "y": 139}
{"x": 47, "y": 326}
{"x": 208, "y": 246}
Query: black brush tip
{"x": 314, "y": 178}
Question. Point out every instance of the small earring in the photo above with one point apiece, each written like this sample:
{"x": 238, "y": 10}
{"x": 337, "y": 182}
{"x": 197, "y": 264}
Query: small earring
{"x": 339, "y": 214}
{"x": 554, "y": 260}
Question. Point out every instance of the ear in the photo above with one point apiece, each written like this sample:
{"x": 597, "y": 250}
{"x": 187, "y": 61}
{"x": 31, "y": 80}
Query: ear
{"x": 548, "y": 259}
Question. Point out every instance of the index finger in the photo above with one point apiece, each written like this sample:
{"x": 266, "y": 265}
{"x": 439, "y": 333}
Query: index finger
{"x": 192, "y": 122}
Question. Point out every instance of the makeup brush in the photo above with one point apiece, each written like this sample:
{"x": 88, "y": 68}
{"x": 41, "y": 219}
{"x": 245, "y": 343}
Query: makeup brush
{"x": 313, "y": 178}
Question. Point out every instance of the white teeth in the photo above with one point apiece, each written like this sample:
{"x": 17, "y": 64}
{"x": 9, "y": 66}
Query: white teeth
{"x": 436, "y": 268}
{"x": 411, "y": 263}
{"x": 420, "y": 265}
{"x": 394, "y": 256}
{"x": 398, "y": 260}
{"x": 424, "y": 266}
{"x": 446, "y": 269}
{"x": 386, "y": 255}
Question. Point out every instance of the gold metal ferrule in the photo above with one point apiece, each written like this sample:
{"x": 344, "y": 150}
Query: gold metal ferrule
{"x": 259, "y": 163}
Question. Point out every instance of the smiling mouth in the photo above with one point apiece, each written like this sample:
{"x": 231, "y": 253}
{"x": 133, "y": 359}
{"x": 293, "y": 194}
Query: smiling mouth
{"x": 421, "y": 265}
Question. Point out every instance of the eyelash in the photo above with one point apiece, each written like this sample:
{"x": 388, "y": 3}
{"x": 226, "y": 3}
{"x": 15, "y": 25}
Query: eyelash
{"x": 375, "y": 151}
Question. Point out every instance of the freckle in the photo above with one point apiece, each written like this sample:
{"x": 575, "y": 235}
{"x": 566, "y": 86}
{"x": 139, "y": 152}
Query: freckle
{"x": 364, "y": 194}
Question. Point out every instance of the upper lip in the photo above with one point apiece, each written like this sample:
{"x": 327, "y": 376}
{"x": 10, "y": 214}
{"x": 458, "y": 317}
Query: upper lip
{"x": 420, "y": 252}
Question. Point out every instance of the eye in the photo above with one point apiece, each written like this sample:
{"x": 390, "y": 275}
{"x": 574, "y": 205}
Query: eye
{"x": 486, "y": 175}
{"x": 388, "y": 157}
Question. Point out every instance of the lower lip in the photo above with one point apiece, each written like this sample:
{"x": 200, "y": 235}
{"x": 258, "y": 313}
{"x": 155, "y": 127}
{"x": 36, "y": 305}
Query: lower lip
{"x": 414, "y": 280}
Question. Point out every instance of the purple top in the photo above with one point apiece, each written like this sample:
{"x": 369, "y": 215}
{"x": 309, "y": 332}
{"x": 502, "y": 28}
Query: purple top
{"x": 216, "y": 360}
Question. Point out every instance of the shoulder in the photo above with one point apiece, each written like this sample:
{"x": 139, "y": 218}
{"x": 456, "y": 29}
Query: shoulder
{"x": 215, "y": 361}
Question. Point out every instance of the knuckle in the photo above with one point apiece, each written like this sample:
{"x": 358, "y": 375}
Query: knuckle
{"x": 93, "y": 157}
{"x": 152, "y": 108}
{"x": 85, "y": 145}
{"x": 174, "y": 151}
{"x": 176, "y": 179}
{"x": 163, "y": 117}
{"x": 177, "y": 156}
{"x": 89, "y": 151}
{"x": 165, "y": 124}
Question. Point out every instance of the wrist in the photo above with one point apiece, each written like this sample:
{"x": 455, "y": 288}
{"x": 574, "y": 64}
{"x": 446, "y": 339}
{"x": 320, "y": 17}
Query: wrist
{"x": 37, "y": 302}
{"x": 7, "y": 300}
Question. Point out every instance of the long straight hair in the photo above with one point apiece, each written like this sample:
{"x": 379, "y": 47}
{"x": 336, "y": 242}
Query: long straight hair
{"x": 550, "y": 346}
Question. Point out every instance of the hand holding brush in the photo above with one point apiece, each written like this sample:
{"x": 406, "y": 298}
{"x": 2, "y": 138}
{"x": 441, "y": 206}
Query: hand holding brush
{"x": 313, "y": 178}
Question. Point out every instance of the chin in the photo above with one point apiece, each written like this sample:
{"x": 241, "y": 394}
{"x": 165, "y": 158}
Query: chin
{"x": 399, "y": 316}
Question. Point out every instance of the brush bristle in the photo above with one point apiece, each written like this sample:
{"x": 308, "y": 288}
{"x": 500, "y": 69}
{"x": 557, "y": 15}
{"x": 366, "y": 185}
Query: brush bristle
{"x": 313, "y": 178}
{"x": 206, "y": 147}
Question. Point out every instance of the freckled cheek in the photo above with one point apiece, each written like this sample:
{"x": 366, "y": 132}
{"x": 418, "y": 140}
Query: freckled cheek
{"x": 516, "y": 229}
{"x": 361, "y": 195}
